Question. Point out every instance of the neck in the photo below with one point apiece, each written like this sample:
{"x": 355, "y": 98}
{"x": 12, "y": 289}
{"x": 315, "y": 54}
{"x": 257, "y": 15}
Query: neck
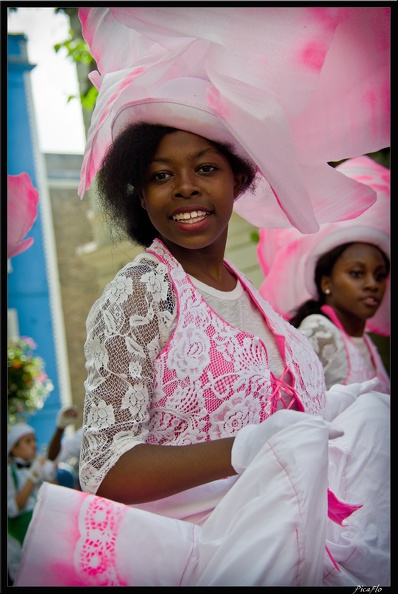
{"x": 352, "y": 325}
{"x": 205, "y": 264}
{"x": 222, "y": 280}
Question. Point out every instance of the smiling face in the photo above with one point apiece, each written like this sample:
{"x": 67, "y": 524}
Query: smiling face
{"x": 188, "y": 192}
{"x": 357, "y": 285}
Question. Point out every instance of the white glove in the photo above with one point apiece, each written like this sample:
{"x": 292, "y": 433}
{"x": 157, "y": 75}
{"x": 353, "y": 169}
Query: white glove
{"x": 36, "y": 471}
{"x": 339, "y": 397}
{"x": 66, "y": 415}
{"x": 249, "y": 440}
{"x": 48, "y": 471}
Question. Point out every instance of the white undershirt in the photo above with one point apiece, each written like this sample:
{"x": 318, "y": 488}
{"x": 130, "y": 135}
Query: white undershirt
{"x": 360, "y": 343}
{"x": 237, "y": 308}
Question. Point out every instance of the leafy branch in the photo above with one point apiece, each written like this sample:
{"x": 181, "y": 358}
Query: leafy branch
{"x": 78, "y": 51}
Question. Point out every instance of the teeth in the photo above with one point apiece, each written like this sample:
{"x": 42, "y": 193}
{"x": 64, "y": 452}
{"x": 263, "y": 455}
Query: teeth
{"x": 184, "y": 216}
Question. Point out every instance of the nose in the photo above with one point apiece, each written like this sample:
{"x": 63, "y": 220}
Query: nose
{"x": 371, "y": 282}
{"x": 186, "y": 185}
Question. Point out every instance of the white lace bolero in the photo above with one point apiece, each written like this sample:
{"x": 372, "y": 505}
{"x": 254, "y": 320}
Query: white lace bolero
{"x": 327, "y": 341}
{"x": 129, "y": 326}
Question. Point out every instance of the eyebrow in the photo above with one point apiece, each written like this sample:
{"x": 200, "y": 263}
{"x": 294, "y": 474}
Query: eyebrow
{"x": 357, "y": 262}
{"x": 192, "y": 157}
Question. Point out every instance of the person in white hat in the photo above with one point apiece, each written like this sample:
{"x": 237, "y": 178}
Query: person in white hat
{"x": 26, "y": 471}
{"x": 210, "y": 453}
{"x": 334, "y": 284}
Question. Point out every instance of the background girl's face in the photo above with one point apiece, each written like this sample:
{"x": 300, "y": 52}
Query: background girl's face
{"x": 188, "y": 191}
{"x": 358, "y": 281}
{"x": 25, "y": 448}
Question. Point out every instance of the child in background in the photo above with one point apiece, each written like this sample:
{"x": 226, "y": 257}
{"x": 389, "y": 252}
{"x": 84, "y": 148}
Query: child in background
{"x": 26, "y": 471}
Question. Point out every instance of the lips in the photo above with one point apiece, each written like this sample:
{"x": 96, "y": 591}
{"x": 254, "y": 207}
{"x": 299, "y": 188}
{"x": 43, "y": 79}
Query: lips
{"x": 371, "y": 301}
{"x": 189, "y": 216}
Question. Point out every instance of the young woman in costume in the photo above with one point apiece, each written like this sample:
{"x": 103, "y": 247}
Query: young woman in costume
{"x": 211, "y": 452}
{"x": 334, "y": 285}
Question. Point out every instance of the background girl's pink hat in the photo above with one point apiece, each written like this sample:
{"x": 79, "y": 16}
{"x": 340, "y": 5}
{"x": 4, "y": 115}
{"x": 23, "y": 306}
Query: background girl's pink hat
{"x": 292, "y": 88}
{"x": 288, "y": 258}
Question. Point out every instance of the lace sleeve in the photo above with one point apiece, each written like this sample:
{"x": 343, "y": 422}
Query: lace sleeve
{"x": 324, "y": 337}
{"x": 126, "y": 329}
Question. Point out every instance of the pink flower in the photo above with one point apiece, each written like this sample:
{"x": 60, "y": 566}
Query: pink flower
{"x": 29, "y": 341}
{"x": 22, "y": 200}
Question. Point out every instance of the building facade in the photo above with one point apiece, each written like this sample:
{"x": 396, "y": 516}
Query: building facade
{"x": 33, "y": 285}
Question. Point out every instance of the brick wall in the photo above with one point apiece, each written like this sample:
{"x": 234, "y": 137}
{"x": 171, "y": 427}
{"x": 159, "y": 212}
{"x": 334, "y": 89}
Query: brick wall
{"x": 77, "y": 278}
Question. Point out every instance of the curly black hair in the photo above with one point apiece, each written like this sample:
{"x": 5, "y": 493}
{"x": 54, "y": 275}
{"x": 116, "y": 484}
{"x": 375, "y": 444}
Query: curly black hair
{"x": 121, "y": 176}
{"x": 324, "y": 267}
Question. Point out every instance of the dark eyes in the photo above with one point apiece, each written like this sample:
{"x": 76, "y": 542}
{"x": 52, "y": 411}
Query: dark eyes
{"x": 356, "y": 273}
{"x": 165, "y": 175}
{"x": 379, "y": 276}
{"x": 160, "y": 176}
{"x": 207, "y": 168}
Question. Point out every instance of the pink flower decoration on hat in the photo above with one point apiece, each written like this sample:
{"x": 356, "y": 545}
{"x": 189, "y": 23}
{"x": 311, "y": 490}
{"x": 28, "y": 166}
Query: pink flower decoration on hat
{"x": 22, "y": 200}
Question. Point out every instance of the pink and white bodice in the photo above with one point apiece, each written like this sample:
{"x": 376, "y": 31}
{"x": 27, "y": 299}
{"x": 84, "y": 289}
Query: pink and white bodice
{"x": 165, "y": 368}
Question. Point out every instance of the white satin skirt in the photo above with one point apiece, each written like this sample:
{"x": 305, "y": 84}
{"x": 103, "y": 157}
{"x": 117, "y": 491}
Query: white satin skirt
{"x": 267, "y": 527}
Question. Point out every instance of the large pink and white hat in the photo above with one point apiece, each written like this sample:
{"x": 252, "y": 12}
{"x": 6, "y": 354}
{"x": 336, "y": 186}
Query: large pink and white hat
{"x": 288, "y": 258}
{"x": 291, "y": 88}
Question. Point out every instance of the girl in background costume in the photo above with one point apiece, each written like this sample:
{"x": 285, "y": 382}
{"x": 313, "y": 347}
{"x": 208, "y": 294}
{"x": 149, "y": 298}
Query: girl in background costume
{"x": 334, "y": 285}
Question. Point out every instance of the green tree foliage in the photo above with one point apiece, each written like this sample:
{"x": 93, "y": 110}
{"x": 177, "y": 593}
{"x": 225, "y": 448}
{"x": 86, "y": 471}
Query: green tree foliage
{"x": 78, "y": 51}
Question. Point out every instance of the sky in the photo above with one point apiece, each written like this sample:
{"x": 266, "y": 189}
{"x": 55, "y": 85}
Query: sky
{"x": 60, "y": 125}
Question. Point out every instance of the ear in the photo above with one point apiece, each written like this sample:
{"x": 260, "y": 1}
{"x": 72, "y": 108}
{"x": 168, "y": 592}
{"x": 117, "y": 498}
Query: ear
{"x": 142, "y": 201}
{"x": 326, "y": 285}
{"x": 240, "y": 179}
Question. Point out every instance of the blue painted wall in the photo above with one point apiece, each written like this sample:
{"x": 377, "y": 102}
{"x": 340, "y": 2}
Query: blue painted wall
{"x": 28, "y": 288}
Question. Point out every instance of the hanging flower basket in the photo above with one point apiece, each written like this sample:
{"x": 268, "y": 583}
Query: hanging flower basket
{"x": 28, "y": 384}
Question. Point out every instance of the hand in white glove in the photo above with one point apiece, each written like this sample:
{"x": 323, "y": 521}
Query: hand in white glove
{"x": 339, "y": 397}
{"x": 48, "y": 471}
{"x": 66, "y": 415}
{"x": 249, "y": 440}
{"x": 36, "y": 470}
{"x": 357, "y": 389}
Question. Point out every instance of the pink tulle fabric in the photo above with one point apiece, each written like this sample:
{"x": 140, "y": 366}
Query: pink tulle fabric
{"x": 22, "y": 201}
{"x": 288, "y": 258}
{"x": 292, "y": 88}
